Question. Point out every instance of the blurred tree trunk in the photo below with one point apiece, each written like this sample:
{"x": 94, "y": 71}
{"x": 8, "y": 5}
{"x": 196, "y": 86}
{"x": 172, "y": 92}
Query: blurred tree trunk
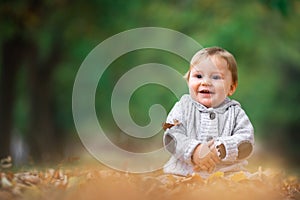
{"x": 22, "y": 49}
{"x": 12, "y": 56}
{"x": 43, "y": 140}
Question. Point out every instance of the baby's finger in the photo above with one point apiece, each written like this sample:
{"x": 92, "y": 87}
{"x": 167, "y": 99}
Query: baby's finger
{"x": 204, "y": 167}
{"x": 211, "y": 169}
{"x": 215, "y": 158}
{"x": 210, "y": 162}
{"x": 197, "y": 168}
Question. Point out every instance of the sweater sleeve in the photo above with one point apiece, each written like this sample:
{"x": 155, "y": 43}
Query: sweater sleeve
{"x": 239, "y": 145}
{"x": 176, "y": 139}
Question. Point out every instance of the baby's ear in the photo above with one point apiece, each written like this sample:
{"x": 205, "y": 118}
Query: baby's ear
{"x": 187, "y": 76}
{"x": 232, "y": 89}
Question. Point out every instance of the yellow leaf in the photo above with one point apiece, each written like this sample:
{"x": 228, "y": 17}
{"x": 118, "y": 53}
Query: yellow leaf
{"x": 215, "y": 176}
{"x": 239, "y": 176}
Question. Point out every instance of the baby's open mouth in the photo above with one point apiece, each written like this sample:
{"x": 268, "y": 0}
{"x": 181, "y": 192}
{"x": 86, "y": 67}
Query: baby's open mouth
{"x": 205, "y": 92}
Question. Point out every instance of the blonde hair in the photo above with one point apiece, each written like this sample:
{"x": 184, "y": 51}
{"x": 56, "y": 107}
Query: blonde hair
{"x": 215, "y": 51}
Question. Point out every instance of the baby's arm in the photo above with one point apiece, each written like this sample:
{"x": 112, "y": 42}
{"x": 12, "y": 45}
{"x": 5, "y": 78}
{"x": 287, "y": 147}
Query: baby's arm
{"x": 179, "y": 144}
{"x": 176, "y": 139}
{"x": 239, "y": 145}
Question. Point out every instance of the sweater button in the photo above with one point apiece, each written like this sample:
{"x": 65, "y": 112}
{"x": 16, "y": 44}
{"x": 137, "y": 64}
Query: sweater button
{"x": 212, "y": 115}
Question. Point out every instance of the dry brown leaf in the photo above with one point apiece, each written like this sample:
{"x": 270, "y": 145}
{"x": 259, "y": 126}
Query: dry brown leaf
{"x": 95, "y": 183}
{"x": 5, "y": 183}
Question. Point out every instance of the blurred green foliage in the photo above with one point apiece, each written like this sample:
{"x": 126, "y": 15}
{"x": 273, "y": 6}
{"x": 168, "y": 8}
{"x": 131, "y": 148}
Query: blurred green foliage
{"x": 262, "y": 34}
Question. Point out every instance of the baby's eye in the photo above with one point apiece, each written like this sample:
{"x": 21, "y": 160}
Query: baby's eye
{"x": 199, "y": 76}
{"x": 216, "y": 77}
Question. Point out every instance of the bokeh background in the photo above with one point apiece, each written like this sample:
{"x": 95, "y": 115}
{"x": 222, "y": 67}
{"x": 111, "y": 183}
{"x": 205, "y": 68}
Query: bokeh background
{"x": 43, "y": 44}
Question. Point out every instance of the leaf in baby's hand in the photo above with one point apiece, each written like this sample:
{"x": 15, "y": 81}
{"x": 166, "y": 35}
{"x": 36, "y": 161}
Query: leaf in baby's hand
{"x": 169, "y": 125}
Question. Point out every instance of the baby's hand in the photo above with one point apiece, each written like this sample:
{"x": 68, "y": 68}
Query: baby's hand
{"x": 205, "y": 157}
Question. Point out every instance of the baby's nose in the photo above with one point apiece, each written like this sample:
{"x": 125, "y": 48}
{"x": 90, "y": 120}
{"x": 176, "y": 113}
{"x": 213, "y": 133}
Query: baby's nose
{"x": 205, "y": 82}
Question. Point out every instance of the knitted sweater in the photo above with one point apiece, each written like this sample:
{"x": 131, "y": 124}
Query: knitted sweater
{"x": 227, "y": 124}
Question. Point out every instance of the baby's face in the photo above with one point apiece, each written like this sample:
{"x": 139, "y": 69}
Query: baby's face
{"x": 210, "y": 81}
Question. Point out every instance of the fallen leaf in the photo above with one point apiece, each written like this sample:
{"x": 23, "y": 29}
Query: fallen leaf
{"x": 239, "y": 176}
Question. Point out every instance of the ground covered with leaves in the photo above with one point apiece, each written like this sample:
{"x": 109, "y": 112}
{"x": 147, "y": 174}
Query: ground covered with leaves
{"x": 97, "y": 182}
